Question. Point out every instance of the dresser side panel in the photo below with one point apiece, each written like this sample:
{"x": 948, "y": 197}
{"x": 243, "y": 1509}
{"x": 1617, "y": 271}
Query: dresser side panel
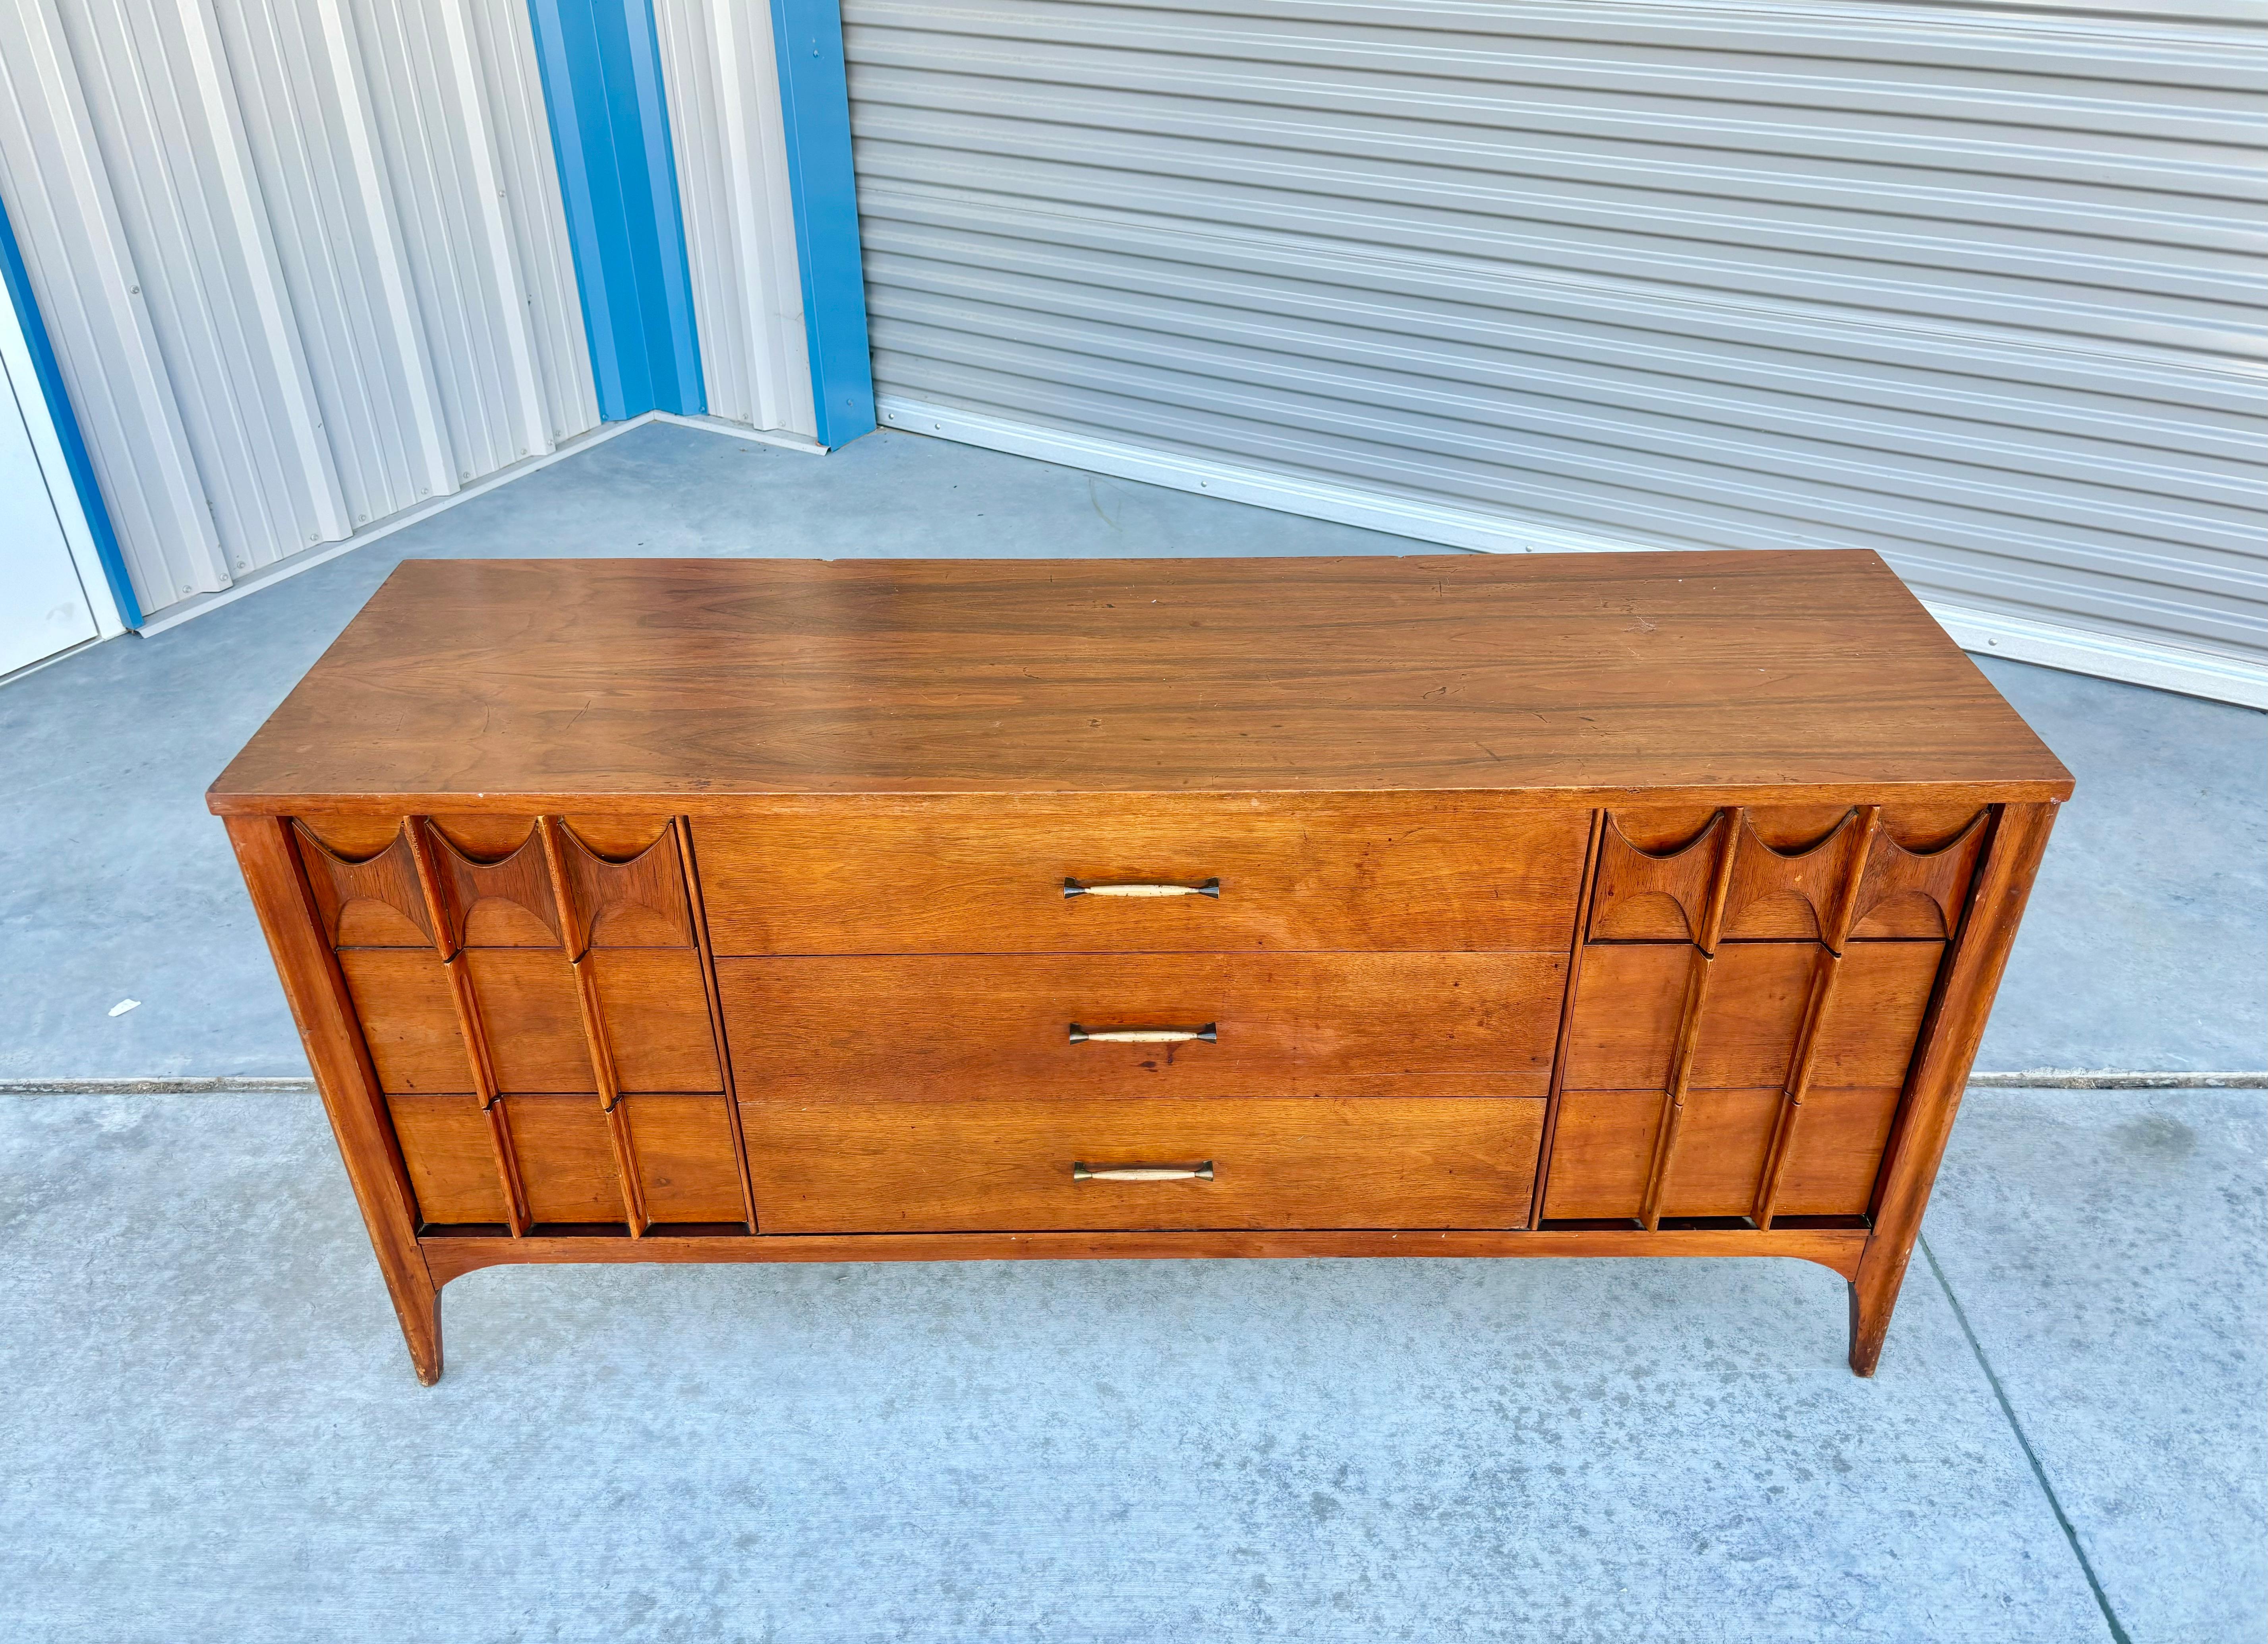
{"x": 324, "y": 1014}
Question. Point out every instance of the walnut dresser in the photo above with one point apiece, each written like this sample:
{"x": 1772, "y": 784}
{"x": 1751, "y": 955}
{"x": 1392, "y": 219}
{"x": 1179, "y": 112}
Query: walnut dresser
{"x": 733, "y": 910}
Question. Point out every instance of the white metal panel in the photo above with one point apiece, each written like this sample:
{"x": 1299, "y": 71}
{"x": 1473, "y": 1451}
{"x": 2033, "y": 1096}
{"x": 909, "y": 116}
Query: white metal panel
{"x": 722, "y": 85}
{"x": 163, "y": 106}
{"x": 308, "y": 113}
{"x": 57, "y": 187}
{"x": 1976, "y": 287}
{"x": 446, "y": 178}
{"x": 351, "y": 311}
{"x": 43, "y": 609}
{"x": 46, "y": 443}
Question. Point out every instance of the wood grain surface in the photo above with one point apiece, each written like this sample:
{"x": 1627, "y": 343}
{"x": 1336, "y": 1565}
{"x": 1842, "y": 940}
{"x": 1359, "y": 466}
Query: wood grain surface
{"x": 1602, "y": 1150}
{"x": 1628, "y": 1013}
{"x": 897, "y": 1167}
{"x": 686, "y": 1159}
{"x": 444, "y": 1141}
{"x": 402, "y": 1000}
{"x": 1951, "y": 1029}
{"x": 490, "y": 684}
{"x": 717, "y": 910}
{"x": 566, "y": 1159}
{"x": 452, "y": 1256}
{"x": 1410, "y": 872}
{"x": 1836, "y": 1151}
{"x": 949, "y": 1027}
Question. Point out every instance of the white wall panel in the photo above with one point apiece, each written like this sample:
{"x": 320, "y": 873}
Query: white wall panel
{"x": 56, "y": 184}
{"x": 1974, "y": 286}
{"x": 722, "y": 85}
{"x": 299, "y": 113}
{"x": 351, "y": 312}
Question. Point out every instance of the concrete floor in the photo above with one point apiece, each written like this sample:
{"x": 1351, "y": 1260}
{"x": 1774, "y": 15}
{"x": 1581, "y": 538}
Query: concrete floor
{"x": 212, "y": 1433}
{"x": 212, "y": 1436}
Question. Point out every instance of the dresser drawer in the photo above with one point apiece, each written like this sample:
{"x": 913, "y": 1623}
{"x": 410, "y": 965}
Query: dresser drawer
{"x": 956, "y": 1026}
{"x": 1414, "y": 873}
{"x": 1034, "y": 1166}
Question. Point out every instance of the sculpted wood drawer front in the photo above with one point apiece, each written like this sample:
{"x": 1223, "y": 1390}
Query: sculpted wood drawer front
{"x": 780, "y": 910}
{"x": 1749, "y": 1002}
{"x": 534, "y": 1006}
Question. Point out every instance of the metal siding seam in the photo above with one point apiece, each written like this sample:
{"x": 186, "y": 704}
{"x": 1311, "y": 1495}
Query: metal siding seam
{"x": 293, "y": 120}
{"x": 2163, "y": 666}
{"x": 163, "y": 113}
{"x": 65, "y": 422}
{"x": 682, "y": 26}
{"x": 1474, "y": 415}
{"x": 426, "y": 175}
{"x": 602, "y": 86}
{"x": 263, "y": 272}
{"x": 572, "y": 153}
{"x": 428, "y": 422}
{"x": 756, "y": 150}
{"x": 425, "y": 78}
{"x": 505, "y": 278}
{"x": 815, "y": 113}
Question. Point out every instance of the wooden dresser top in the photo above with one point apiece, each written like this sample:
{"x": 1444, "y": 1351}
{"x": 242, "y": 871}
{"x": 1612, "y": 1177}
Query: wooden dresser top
{"x": 1745, "y": 676}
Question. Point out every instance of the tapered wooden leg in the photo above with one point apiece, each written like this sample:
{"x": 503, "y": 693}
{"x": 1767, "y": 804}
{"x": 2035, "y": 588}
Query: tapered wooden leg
{"x": 356, "y": 1107}
{"x": 1870, "y": 1322}
{"x": 421, "y": 1328}
{"x": 1966, "y": 983}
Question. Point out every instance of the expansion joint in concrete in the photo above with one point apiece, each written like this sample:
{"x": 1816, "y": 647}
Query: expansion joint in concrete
{"x": 2000, "y": 1395}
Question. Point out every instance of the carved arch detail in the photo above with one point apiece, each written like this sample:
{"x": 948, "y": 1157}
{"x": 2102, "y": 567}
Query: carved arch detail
{"x": 502, "y": 903}
{"x": 1910, "y": 894}
{"x": 1792, "y": 896}
{"x": 1654, "y": 896}
{"x": 634, "y": 901}
{"x": 370, "y": 901}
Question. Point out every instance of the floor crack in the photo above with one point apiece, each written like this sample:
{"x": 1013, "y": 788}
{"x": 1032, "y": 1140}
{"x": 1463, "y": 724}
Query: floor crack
{"x": 2070, "y": 1532}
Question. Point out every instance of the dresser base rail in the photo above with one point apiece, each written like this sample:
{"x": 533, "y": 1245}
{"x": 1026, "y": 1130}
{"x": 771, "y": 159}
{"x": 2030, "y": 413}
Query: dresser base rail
{"x": 451, "y": 1257}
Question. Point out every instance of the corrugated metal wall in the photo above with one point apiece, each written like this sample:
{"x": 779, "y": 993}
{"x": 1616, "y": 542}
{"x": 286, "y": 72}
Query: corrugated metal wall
{"x": 1970, "y": 285}
{"x": 723, "y": 87}
{"x": 303, "y": 265}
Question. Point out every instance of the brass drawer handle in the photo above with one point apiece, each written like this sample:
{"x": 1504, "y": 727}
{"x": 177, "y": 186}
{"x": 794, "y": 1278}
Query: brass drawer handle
{"x": 1211, "y": 888}
{"x": 1209, "y": 1033}
{"x": 1142, "y": 1172}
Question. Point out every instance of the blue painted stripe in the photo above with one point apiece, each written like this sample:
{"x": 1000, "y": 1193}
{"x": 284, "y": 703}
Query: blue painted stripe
{"x": 602, "y": 66}
{"x": 816, "y": 101}
{"x": 66, "y": 424}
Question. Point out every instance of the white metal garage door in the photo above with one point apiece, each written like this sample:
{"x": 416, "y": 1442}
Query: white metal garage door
{"x": 1965, "y": 284}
